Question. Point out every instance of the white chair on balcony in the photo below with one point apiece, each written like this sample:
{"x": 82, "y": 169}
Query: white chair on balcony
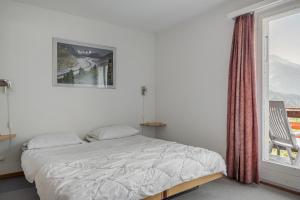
{"x": 281, "y": 134}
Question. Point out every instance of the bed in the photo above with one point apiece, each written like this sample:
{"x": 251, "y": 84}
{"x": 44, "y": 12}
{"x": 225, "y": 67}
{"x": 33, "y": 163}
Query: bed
{"x": 135, "y": 167}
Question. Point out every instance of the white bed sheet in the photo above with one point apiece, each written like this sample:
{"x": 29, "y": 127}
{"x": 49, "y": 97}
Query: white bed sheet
{"x": 128, "y": 168}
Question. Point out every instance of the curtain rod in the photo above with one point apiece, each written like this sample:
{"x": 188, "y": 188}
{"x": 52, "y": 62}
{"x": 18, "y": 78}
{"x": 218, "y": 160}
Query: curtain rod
{"x": 260, "y": 6}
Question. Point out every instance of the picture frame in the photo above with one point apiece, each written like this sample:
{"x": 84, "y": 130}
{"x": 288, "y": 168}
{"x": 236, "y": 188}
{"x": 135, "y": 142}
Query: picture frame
{"x": 77, "y": 64}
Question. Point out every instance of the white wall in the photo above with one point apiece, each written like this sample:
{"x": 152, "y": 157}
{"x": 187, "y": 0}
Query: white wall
{"x": 192, "y": 70}
{"x": 36, "y": 106}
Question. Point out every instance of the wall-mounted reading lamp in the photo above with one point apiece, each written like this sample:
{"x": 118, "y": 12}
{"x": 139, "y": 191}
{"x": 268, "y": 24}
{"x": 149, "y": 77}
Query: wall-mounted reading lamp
{"x": 143, "y": 93}
{"x": 6, "y": 84}
{"x": 143, "y": 90}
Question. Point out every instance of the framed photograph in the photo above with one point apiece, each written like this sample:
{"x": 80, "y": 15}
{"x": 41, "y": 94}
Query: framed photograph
{"x": 77, "y": 64}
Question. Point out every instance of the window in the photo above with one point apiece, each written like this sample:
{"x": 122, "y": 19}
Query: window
{"x": 282, "y": 59}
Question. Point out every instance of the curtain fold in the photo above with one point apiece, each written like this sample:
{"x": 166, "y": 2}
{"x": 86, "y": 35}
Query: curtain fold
{"x": 242, "y": 128}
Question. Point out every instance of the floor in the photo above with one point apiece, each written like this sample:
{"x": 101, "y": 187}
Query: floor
{"x": 225, "y": 189}
{"x": 17, "y": 189}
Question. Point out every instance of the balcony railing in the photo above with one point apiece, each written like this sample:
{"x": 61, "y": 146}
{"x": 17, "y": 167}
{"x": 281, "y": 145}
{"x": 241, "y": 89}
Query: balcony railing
{"x": 294, "y": 113}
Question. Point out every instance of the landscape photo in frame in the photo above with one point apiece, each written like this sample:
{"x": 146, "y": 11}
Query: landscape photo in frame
{"x": 83, "y": 65}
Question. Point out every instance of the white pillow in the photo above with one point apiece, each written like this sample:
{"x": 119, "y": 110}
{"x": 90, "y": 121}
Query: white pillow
{"x": 53, "y": 140}
{"x": 112, "y": 132}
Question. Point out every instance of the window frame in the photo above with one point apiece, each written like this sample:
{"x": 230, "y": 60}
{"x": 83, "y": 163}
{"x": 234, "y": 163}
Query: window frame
{"x": 272, "y": 172}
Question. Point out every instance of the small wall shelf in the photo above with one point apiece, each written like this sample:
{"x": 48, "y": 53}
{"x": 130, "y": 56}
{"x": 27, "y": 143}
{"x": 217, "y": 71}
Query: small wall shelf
{"x": 7, "y": 137}
{"x": 153, "y": 124}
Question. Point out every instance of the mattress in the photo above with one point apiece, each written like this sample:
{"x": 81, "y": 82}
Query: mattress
{"x": 128, "y": 168}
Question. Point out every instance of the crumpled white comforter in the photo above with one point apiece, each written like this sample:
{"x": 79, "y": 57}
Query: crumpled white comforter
{"x": 128, "y": 168}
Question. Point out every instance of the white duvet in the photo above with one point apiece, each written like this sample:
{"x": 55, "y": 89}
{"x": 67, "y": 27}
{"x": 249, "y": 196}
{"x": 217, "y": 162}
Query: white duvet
{"x": 128, "y": 168}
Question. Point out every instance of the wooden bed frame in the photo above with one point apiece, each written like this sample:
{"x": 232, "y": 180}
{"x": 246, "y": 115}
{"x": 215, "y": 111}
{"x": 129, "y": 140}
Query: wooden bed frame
{"x": 163, "y": 195}
{"x": 185, "y": 186}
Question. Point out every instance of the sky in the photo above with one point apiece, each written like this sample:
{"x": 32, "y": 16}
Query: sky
{"x": 284, "y": 38}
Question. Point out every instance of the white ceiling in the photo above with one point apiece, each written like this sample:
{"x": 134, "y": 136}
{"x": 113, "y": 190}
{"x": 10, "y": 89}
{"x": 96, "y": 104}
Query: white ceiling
{"x": 148, "y": 15}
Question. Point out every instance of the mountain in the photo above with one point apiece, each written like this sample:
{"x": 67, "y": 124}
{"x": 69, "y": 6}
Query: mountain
{"x": 284, "y": 81}
{"x": 290, "y": 100}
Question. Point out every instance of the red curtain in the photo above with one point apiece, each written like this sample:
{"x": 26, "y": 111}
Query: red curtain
{"x": 242, "y": 131}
